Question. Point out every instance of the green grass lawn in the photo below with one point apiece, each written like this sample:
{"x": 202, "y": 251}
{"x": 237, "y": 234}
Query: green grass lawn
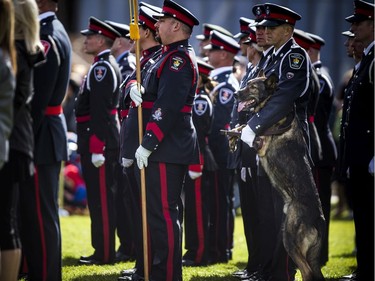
{"x": 76, "y": 242}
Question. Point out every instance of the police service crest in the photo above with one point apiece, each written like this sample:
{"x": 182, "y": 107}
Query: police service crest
{"x": 176, "y": 63}
{"x": 100, "y": 72}
{"x": 200, "y": 107}
{"x": 296, "y": 60}
{"x": 225, "y": 95}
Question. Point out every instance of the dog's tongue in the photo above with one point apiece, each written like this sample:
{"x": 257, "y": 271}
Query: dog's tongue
{"x": 241, "y": 106}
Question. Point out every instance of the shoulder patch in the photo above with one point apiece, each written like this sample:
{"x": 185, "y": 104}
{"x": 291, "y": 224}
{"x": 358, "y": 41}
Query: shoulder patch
{"x": 46, "y": 45}
{"x": 225, "y": 95}
{"x": 200, "y": 107}
{"x": 176, "y": 63}
{"x": 99, "y": 72}
{"x": 296, "y": 60}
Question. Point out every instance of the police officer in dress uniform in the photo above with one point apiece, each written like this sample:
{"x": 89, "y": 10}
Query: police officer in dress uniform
{"x": 169, "y": 144}
{"x": 204, "y": 38}
{"x": 98, "y": 138}
{"x": 235, "y": 158}
{"x": 356, "y": 156}
{"x": 323, "y": 169}
{"x": 248, "y": 165}
{"x": 305, "y": 41}
{"x": 196, "y": 188}
{"x": 129, "y": 137}
{"x": 221, "y": 52}
{"x": 295, "y": 65}
{"x": 261, "y": 217}
{"x": 243, "y": 35}
{"x": 126, "y": 60}
{"x": 39, "y": 210}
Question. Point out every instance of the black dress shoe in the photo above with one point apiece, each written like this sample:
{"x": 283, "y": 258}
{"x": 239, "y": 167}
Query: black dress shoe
{"x": 23, "y": 276}
{"x": 91, "y": 260}
{"x": 187, "y": 262}
{"x": 254, "y": 276}
{"x": 134, "y": 277}
{"x": 351, "y": 277}
{"x": 239, "y": 273}
{"x": 128, "y": 272}
{"x": 121, "y": 257}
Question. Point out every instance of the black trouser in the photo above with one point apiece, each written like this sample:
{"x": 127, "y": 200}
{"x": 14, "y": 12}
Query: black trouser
{"x": 136, "y": 215}
{"x": 250, "y": 217}
{"x": 323, "y": 178}
{"x": 196, "y": 218}
{"x": 164, "y": 184}
{"x": 124, "y": 227}
{"x": 40, "y": 223}
{"x": 101, "y": 191}
{"x": 219, "y": 211}
{"x": 361, "y": 185}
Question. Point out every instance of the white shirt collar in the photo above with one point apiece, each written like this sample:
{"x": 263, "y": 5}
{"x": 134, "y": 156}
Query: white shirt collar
{"x": 367, "y": 50}
{"x": 46, "y": 15}
{"x": 219, "y": 70}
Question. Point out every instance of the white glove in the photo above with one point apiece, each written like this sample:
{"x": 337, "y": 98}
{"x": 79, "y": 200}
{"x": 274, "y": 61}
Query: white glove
{"x": 97, "y": 159}
{"x": 126, "y": 163}
{"x": 194, "y": 175}
{"x": 371, "y": 166}
{"x": 136, "y": 95}
{"x": 142, "y": 155}
{"x": 248, "y": 135}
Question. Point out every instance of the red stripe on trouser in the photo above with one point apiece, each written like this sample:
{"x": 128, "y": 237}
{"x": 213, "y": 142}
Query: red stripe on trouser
{"x": 168, "y": 220}
{"x": 103, "y": 201}
{"x": 41, "y": 228}
{"x": 198, "y": 210}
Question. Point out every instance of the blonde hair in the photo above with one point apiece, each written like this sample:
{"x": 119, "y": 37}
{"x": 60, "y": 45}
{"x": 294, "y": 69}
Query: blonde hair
{"x": 27, "y": 24}
{"x": 7, "y": 31}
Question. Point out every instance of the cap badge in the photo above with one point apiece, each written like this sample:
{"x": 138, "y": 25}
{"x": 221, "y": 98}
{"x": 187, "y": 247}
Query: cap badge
{"x": 268, "y": 12}
{"x": 258, "y": 11}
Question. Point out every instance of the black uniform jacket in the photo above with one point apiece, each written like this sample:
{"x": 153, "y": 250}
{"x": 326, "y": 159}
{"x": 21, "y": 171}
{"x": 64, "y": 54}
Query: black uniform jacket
{"x": 202, "y": 119}
{"x": 129, "y": 136}
{"x": 357, "y": 131}
{"x": 322, "y": 115}
{"x": 51, "y": 81}
{"x": 96, "y": 106}
{"x": 172, "y": 82}
{"x": 292, "y": 66}
{"x": 223, "y": 105}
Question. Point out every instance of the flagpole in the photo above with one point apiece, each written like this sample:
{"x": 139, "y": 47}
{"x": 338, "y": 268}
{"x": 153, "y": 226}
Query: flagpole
{"x": 134, "y": 35}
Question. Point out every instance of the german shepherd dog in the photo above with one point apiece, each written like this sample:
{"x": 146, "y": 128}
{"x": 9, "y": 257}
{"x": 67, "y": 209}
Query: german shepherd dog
{"x": 283, "y": 154}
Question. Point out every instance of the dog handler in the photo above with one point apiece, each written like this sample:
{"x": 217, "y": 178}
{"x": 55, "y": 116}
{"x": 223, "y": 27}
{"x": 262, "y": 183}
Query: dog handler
{"x": 292, "y": 65}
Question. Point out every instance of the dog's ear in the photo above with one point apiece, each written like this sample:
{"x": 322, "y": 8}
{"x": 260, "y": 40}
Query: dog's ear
{"x": 271, "y": 82}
